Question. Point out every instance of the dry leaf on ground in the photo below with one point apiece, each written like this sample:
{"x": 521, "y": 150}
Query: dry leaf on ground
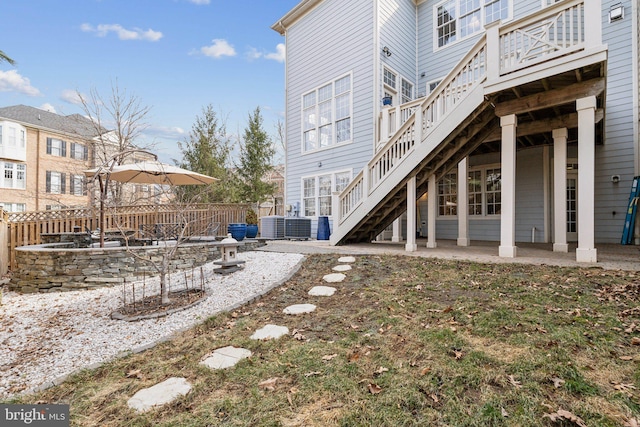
{"x": 330, "y": 356}
{"x": 374, "y": 388}
{"x": 514, "y": 382}
{"x": 562, "y": 415}
{"x": 269, "y": 384}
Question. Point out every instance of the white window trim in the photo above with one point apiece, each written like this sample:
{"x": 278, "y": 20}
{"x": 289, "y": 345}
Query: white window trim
{"x": 458, "y": 40}
{"x": 396, "y": 93}
{"x": 15, "y": 181}
{"x": 316, "y": 190}
{"x": 484, "y": 216}
{"x": 334, "y": 144}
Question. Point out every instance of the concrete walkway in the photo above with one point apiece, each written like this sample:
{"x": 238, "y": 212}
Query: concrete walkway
{"x": 610, "y": 256}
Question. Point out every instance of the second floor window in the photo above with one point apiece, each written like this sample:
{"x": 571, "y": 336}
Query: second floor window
{"x": 79, "y": 151}
{"x": 15, "y": 175}
{"x": 326, "y": 115}
{"x": 78, "y": 185}
{"x": 458, "y": 19}
{"x": 55, "y": 182}
{"x": 56, "y": 147}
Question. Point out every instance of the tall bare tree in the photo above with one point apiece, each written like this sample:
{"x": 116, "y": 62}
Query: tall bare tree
{"x": 118, "y": 122}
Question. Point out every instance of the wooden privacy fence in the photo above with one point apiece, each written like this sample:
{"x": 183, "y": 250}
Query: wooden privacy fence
{"x": 26, "y": 228}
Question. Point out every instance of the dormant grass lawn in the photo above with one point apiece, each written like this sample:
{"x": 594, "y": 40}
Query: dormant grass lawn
{"x": 405, "y": 341}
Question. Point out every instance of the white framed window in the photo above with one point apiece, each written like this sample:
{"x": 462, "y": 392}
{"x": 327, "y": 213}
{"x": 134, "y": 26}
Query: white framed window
{"x": 547, "y": 3}
{"x": 79, "y": 151}
{"x": 14, "y": 175}
{"x": 326, "y": 115}
{"x": 55, "y": 182}
{"x": 56, "y": 147}
{"x": 456, "y": 20}
{"x": 78, "y": 185}
{"x": 317, "y": 190}
{"x": 483, "y": 192}
{"x": 407, "y": 91}
{"x": 13, "y": 207}
{"x": 448, "y": 195}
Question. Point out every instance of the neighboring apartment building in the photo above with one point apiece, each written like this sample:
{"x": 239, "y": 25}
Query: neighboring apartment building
{"x": 43, "y": 158}
{"x": 504, "y": 120}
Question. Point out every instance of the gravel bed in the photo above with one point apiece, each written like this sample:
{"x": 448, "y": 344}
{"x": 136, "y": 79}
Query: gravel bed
{"x": 46, "y": 337}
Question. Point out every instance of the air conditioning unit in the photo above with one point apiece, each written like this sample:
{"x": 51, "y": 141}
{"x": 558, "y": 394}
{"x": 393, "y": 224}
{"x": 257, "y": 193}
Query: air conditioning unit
{"x": 297, "y": 228}
{"x": 272, "y": 227}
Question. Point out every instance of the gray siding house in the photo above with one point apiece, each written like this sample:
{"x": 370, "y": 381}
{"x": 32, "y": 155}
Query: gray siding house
{"x": 502, "y": 120}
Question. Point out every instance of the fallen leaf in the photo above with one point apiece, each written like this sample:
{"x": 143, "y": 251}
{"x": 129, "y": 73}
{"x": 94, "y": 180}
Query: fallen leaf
{"x": 269, "y": 384}
{"x": 504, "y": 413}
{"x": 310, "y": 374}
{"x": 354, "y": 356}
{"x": 434, "y": 397}
{"x": 626, "y": 357}
{"x": 562, "y": 415}
{"x": 135, "y": 373}
{"x": 425, "y": 371}
{"x": 514, "y": 382}
{"x": 234, "y": 314}
{"x": 374, "y": 388}
{"x": 557, "y": 382}
{"x": 448, "y": 309}
{"x": 635, "y": 341}
{"x": 381, "y": 370}
{"x": 624, "y": 388}
{"x": 330, "y": 356}
{"x": 633, "y": 422}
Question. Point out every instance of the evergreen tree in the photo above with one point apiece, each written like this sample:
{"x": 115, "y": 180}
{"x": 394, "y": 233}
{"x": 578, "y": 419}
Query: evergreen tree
{"x": 5, "y": 58}
{"x": 256, "y": 158}
{"x": 207, "y": 150}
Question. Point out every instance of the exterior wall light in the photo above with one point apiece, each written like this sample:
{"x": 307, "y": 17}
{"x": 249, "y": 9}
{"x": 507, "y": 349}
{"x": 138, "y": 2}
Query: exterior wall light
{"x": 386, "y": 51}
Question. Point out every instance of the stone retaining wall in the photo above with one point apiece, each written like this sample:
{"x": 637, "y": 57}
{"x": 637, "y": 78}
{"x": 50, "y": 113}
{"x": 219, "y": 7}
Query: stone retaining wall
{"x": 60, "y": 267}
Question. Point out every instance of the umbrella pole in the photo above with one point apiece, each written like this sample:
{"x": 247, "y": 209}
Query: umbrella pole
{"x": 102, "y": 197}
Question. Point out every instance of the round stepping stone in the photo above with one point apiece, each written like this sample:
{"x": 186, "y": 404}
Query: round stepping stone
{"x": 334, "y": 277}
{"x": 159, "y": 394}
{"x": 226, "y": 357}
{"x": 342, "y": 267}
{"x": 299, "y": 309}
{"x": 322, "y": 291}
{"x": 270, "y": 332}
{"x": 347, "y": 259}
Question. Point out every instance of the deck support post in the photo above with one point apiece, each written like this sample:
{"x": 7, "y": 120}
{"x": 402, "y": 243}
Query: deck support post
{"x": 411, "y": 246}
{"x": 560, "y": 190}
{"x": 463, "y": 205}
{"x": 508, "y": 247}
{"x": 432, "y": 208}
{"x": 586, "y": 251}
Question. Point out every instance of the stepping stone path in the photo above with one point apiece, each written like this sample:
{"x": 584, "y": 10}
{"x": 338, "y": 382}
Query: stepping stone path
{"x": 334, "y": 277}
{"x": 229, "y": 356}
{"x": 299, "y": 309}
{"x": 159, "y": 394}
{"x": 270, "y": 332}
{"x": 322, "y": 291}
{"x": 226, "y": 357}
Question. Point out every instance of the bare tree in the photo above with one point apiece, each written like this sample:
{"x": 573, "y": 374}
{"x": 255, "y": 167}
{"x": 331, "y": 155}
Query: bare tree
{"x": 5, "y": 58}
{"x": 118, "y": 122}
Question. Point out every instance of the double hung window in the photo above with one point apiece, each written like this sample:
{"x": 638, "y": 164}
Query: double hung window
{"x": 326, "y": 115}
{"x": 459, "y": 19}
{"x": 317, "y": 190}
{"x": 483, "y": 193}
{"x": 55, "y": 182}
{"x": 56, "y": 147}
{"x": 15, "y": 175}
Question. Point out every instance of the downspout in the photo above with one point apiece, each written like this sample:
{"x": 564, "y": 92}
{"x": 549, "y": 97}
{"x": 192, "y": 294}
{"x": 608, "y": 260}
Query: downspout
{"x": 635, "y": 55}
{"x": 376, "y": 77}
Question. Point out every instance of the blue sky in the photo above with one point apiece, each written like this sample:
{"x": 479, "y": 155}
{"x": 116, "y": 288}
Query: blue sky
{"x": 176, "y": 56}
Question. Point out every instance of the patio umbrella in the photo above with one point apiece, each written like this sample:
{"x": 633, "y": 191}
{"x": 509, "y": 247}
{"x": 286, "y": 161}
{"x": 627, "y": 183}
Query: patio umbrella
{"x": 151, "y": 172}
{"x": 145, "y": 172}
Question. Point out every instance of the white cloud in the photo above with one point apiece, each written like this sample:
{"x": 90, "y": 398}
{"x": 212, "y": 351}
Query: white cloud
{"x": 71, "y": 96}
{"x": 123, "y": 34}
{"x": 200, "y": 2}
{"x": 48, "y": 107}
{"x": 278, "y": 55}
{"x": 170, "y": 132}
{"x": 218, "y": 49}
{"x": 12, "y": 81}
